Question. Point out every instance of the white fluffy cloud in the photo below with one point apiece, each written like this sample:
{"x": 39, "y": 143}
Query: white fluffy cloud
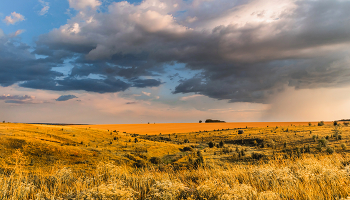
{"x": 46, "y": 7}
{"x": 18, "y": 32}
{"x": 14, "y": 18}
{"x": 83, "y": 4}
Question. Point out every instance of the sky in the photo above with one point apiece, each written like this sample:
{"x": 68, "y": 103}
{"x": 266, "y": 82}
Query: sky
{"x": 167, "y": 61}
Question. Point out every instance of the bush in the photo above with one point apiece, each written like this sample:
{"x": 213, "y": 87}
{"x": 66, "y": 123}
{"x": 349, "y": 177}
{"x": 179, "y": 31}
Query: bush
{"x": 307, "y": 149}
{"x": 155, "y": 160}
{"x": 339, "y": 137}
{"x": 319, "y": 148}
{"x": 330, "y": 150}
{"x": 211, "y": 144}
{"x": 343, "y": 146}
{"x": 321, "y": 123}
{"x": 323, "y": 142}
{"x": 221, "y": 144}
{"x": 140, "y": 164}
{"x": 240, "y": 131}
{"x": 257, "y": 156}
{"x": 335, "y": 123}
{"x": 242, "y": 152}
{"x": 226, "y": 150}
{"x": 187, "y": 149}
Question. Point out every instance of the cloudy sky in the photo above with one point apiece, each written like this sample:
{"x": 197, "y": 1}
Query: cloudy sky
{"x": 106, "y": 61}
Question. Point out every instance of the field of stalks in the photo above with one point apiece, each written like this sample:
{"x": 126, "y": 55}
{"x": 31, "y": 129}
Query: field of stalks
{"x": 294, "y": 161}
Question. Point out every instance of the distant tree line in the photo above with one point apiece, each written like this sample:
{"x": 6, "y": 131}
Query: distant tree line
{"x": 213, "y": 121}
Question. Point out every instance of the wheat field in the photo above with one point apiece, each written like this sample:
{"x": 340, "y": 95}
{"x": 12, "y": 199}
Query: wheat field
{"x": 290, "y": 161}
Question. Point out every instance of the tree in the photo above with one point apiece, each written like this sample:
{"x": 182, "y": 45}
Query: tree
{"x": 200, "y": 121}
{"x": 211, "y": 144}
{"x": 221, "y": 144}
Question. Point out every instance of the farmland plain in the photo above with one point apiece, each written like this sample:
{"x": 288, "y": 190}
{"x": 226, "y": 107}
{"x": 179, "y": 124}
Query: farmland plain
{"x": 175, "y": 161}
{"x": 169, "y": 128}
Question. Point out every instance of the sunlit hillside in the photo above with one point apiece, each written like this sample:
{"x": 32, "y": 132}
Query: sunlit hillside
{"x": 294, "y": 161}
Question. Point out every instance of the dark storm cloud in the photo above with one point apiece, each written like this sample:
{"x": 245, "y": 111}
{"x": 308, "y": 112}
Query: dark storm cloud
{"x": 66, "y": 97}
{"x": 18, "y": 64}
{"x": 304, "y": 44}
{"x": 142, "y": 83}
{"x": 87, "y": 84}
{"x": 16, "y": 99}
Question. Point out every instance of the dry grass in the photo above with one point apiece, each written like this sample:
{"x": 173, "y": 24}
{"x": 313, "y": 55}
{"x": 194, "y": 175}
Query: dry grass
{"x": 169, "y": 128}
{"x": 46, "y": 162}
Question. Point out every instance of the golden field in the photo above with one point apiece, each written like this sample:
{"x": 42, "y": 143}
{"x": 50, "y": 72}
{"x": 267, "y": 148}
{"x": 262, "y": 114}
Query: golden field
{"x": 283, "y": 161}
{"x": 169, "y": 128}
